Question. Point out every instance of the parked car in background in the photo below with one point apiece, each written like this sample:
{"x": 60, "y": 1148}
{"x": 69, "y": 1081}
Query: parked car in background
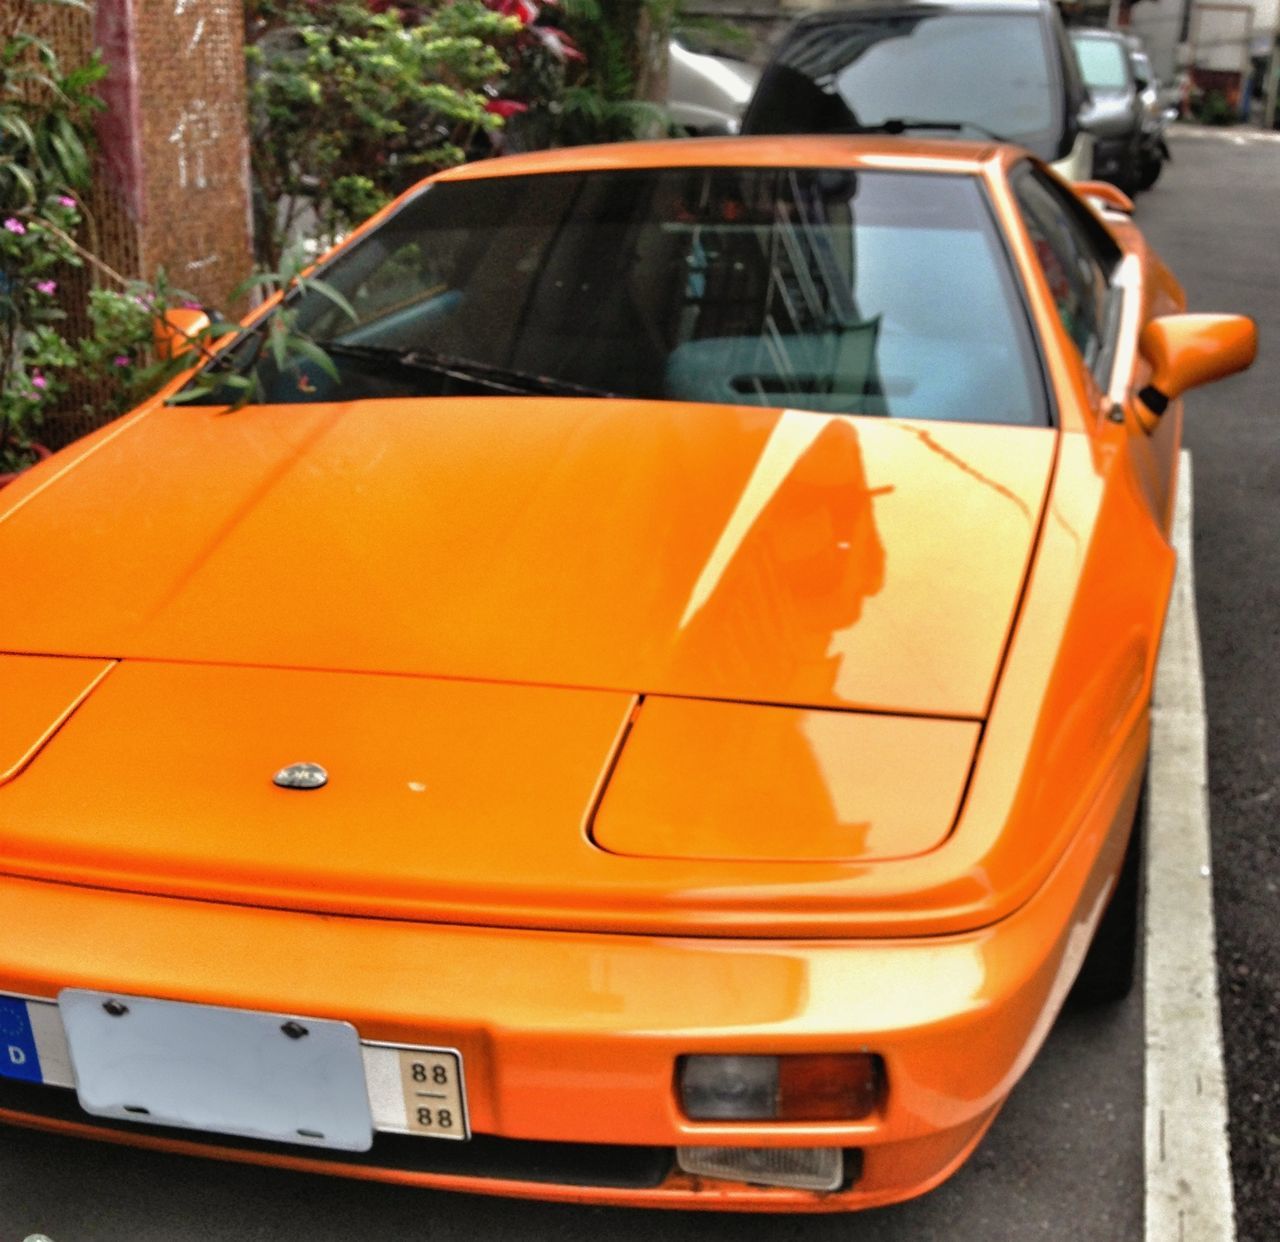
{"x": 1145, "y": 80}
{"x": 706, "y": 95}
{"x": 999, "y": 68}
{"x": 659, "y": 721}
{"x": 1155, "y": 113}
{"x": 1116, "y": 116}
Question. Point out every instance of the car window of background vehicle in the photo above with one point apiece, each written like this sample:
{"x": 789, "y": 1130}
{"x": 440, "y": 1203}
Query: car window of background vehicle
{"x": 1102, "y": 61}
{"x": 991, "y": 70}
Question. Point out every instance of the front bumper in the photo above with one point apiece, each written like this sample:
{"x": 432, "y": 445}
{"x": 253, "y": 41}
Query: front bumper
{"x": 570, "y": 1040}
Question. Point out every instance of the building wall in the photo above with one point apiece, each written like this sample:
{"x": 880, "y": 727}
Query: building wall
{"x": 1159, "y": 22}
{"x": 1162, "y": 24}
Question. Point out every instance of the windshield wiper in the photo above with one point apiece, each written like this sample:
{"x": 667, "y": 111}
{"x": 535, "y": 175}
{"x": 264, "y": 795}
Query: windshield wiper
{"x": 501, "y": 379}
{"x": 903, "y": 124}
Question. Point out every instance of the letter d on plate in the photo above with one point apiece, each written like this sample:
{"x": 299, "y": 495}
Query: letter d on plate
{"x": 20, "y": 1058}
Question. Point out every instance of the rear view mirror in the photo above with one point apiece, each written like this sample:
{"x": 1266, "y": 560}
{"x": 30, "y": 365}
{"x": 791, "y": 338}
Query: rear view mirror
{"x": 1186, "y": 351}
{"x": 1090, "y": 114}
{"x": 178, "y": 330}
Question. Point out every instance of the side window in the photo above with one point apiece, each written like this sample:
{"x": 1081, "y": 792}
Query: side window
{"x": 1077, "y": 257}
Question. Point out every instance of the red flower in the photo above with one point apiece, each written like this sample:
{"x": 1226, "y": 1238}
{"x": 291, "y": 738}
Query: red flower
{"x": 505, "y": 108}
{"x": 527, "y": 13}
{"x": 524, "y": 11}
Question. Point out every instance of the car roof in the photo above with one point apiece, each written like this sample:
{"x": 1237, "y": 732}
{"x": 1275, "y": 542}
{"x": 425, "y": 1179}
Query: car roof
{"x": 856, "y": 9}
{"x": 765, "y": 151}
{"x": 1096, "y": 32}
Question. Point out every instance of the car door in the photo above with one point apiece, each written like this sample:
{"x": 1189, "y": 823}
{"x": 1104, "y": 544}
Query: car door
{"x": 1105, "y": 292}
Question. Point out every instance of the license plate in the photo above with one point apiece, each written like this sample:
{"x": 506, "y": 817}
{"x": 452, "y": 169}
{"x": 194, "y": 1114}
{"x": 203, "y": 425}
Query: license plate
{"x": 226, "y": 1071}
{"x": 434, "y": 1100}
{"x": 19, "y": 1056}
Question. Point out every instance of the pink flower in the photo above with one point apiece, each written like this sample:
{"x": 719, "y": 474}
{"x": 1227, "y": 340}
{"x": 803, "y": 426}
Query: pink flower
{"x": 120, "y": 360}
{"x": 47, "y": 287}
{"x": 559, "y": 44}
{"x": 39, "y": 381}
{"x": 66, "y": 200}
{"x": 15, "y": 226}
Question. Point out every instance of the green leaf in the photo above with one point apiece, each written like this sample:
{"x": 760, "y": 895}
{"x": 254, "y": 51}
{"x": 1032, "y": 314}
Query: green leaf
{"x": 193, "y": 392}
{"x": 278, "y": 340}
{"x": 325, "y": 289}
{"x": 18, "y": 128}
{"x": 23, "y": 178}
{"x": 312, "y": 352}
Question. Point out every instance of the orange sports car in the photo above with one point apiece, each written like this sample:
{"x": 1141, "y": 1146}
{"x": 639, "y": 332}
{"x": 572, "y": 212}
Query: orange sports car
{"x": 658, "y": 721}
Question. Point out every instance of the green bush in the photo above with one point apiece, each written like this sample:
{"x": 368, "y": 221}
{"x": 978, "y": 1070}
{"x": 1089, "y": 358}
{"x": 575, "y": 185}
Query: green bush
{"x": 1216, "y": 109}
{"x": 349, "y": 107}
{"x": 46, "y": 115}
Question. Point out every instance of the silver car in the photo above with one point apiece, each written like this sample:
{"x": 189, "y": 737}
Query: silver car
{"x": 707, "y": 94}
{"x": 1115, "y": 117}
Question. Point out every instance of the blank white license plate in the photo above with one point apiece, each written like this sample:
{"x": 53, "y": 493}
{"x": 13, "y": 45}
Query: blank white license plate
{"x": 229, "y": 1071}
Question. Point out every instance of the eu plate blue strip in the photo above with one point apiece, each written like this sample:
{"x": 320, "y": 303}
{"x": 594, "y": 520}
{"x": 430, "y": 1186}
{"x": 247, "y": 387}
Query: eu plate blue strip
{"x": 18, "y": 1055}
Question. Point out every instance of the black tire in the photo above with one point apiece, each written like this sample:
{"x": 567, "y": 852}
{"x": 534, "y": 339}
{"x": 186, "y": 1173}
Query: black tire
{"x": 1111, "y": 965}
{"x": 1130, "y": 179}
{"x": 1149, "y": 171}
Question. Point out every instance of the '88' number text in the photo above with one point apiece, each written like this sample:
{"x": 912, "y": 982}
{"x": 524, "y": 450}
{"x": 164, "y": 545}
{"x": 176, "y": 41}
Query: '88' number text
{"x": 440, "y": 1118}
{"x": 433, "y": 1082}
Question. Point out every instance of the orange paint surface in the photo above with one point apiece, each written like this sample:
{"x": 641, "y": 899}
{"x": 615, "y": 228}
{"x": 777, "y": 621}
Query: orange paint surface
{"x": 699, "y": 780}
{"x": 725, "y": 552}
{"x": 37, "y": 695}
{"x": 652, "y": 728}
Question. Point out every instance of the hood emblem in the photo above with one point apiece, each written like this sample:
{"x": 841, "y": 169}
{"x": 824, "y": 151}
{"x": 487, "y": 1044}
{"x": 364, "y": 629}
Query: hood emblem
{"x": 302, "y": 776}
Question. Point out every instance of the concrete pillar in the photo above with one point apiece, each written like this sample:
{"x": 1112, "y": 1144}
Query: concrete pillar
{"x": 171, "y": 188}
{"x": 174, "y": 138}
{"x": 1273, "y": 84}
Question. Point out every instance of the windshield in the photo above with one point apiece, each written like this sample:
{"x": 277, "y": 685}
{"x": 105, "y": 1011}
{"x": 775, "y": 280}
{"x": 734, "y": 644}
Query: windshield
{"x": 1102, "y": 64}
{"x": 823, "y": 289}
{"x": 989, "y": 69}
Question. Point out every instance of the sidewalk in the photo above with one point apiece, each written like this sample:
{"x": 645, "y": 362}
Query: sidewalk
{"x": 1239, "y": 134}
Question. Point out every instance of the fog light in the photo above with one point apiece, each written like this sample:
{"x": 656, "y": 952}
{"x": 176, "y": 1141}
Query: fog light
{"x": 798, "y": 1168}
{"x": 804, "y": 1087}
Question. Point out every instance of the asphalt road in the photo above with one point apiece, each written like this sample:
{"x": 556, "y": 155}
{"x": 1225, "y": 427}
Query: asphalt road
{"x": 1216, "y": 219}
{"x": 1064, "y": 1160}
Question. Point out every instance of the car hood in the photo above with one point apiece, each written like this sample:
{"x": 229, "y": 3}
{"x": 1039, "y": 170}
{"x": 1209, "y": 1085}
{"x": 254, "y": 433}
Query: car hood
{"x": 716, "y": 552}
{"x": 566, "y": 664}
{"x": 455, "y": 801}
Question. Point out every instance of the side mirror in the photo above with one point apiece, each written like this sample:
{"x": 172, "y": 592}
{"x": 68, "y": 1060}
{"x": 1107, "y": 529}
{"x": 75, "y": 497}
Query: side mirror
{"x": 1110, "y": 194}
{"x": 1186, "y": 351}
{"x": 178, "y": 329}
{"x": 1089, "y": 115}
